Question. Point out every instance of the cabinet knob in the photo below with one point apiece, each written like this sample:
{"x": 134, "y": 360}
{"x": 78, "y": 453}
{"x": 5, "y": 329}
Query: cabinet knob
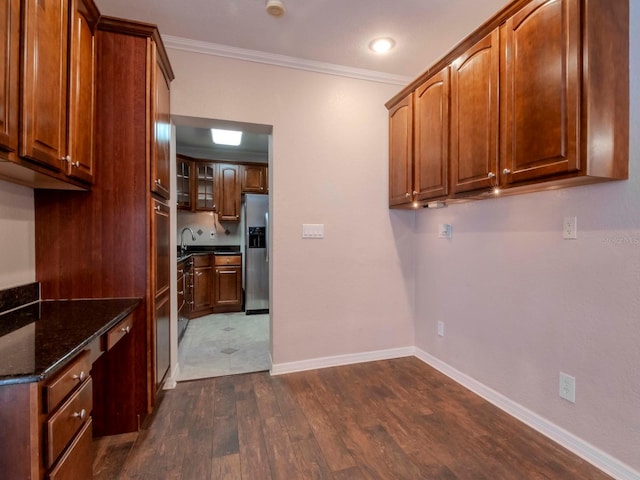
{"x": 506, "y": 171}
{"x": 81, "y": 376}
{"x": 157, "y": 208}
{"x": 407, "y": 195}
{"x": 181, "y": 292}
{"x": 76, "y": 163}
{"x": 415, "y": 193}
{"x": 126, "y": 329}
{"x": 491, "y": 175}
{"x": 158, "y": 181}
{"x": 66, "y": 158}
{"x": 82, "y": 414}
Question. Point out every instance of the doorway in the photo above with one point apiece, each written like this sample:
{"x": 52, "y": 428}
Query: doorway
{"x": 222, "y": 247}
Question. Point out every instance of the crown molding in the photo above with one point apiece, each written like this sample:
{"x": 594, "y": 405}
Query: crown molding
{"x": 196, "y": 46}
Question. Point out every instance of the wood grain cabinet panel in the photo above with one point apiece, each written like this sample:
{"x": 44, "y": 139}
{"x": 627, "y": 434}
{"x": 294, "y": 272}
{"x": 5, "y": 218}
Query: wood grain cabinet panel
{"x": 160, "y": 147}
{"x": 431, "y": 150}
{"x": 82, "y": 90}
{"x": 228, "y": 191}
{"x": 206, "y": 187}
{"x": 474, "y": 116}
{"x": 44, "y": 82}
{"x": 184, "y": 186}
{"x": 77, "y": 462}
{"x": 401, "y": 152}
{"x": 542, "y": 90}
{"x": 9, "y": 77}
{"x": 228, "y": 286}
{"x": 254, "y": 179}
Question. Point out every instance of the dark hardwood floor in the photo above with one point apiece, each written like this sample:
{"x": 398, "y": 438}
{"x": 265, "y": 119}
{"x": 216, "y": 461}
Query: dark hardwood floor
{"x": 395, "y": 419}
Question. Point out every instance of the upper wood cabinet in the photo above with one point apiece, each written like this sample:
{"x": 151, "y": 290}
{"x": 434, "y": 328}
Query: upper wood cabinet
{"x": 82, "y": 77}
{"x": 542, "y": 91}
{"x": 184, "y": 184}
{"x": 431, "y": 142}
{"x": 539, "y": 99}
{"x": 160, "y": 152}
{"x": 401, "y": 152}
{"x": 474, "y": 116}
{"x": 228, "y": 192}
{"x": 9, "y": 77}
{"x": 58, "y": 77}
{"x": 205, "y": 186}
{"x": 254, "y": 179}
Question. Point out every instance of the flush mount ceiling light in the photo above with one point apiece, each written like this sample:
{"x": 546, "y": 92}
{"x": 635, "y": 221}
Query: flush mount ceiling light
{"x": 382, "y": 45}
{"x": 275, "y": 8}
{"x": 226, "y": 137}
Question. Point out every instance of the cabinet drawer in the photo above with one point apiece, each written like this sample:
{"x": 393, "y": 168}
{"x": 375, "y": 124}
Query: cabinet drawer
{"x": 201, "y": 260}
{"x": 77, "y": 461}
{"x": 62, "y": 384}
{"x": 114, "y": 335}
{"x": 221, "y": 260}
{"x": 71, "y": 416}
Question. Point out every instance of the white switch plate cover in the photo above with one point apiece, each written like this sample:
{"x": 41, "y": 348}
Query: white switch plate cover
{"x": 441, "y": 328}
{"x": 313, "y": 230}
{"x": 567, "y": 387}
{"x": 570, "y": 228}
{"x": 444, "y": 230}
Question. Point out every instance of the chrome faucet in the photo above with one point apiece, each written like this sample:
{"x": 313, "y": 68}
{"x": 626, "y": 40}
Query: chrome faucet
{"x": 183, "y": 248}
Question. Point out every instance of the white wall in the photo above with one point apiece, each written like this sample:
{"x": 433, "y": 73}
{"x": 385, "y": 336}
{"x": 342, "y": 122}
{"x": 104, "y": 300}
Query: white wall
{"x": 520, "y": 304}
{"x": 17, "y": 235}
{"x": 352, "y": 291}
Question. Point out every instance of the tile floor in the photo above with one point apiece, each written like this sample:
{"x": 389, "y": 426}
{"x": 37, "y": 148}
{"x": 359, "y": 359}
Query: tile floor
{"x": 224, "y": 344}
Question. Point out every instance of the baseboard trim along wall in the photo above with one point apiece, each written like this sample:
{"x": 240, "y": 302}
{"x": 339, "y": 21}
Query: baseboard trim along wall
{"x": 338, "y": 360}
{"x": 591, "y": 454}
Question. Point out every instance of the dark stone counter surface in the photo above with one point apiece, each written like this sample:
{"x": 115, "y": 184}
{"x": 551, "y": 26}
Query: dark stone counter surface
{"x": 39, "y": 338}
{"x": 208, "y": 249}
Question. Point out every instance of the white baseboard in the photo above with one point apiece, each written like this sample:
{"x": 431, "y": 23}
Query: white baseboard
{"x": 171, "y": 382}
{"x": 338, "y": 360}
{"x": 591, "y": 454}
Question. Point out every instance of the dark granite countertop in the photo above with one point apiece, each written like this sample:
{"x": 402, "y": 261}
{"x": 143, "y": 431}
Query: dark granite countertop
{"x": 38, "y": 339}
{"x": 209, "y": 249}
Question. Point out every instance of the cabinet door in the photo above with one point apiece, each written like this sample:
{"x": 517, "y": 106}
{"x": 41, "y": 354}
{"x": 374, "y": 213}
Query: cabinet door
{"x": 254, "y": 179}
{"x": 431, "y": 151}
{"x": 474, "y": 117}
{"x": 202, "y": 289}
{"x": 205, "y": 187}
{"x": 228, "y": 286}
{"x": 183, "y": 184}
{"x": 162, "y": 315}
{"x": 401, "y": 152}
{"x": 82, "y": 75}
{"x": 160, "y": 147}
{"x": 44, "y": 82}
{"x": 542, "y": 90}
{"x": 9, "y": 76}
{"x": 228, "y": 193}
{"x": 161, "y": 235}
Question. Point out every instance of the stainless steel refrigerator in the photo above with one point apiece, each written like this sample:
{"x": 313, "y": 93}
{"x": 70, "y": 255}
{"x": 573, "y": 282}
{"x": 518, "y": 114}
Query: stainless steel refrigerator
{"x": 256, "y": 221}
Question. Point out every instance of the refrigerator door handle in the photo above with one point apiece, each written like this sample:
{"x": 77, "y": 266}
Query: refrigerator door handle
{"x": 266, "y": 237}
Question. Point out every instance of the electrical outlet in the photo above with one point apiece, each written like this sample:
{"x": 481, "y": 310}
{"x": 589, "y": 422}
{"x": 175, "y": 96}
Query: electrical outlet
{"x": 441, "y": 329}
{"x": 567, "y": 387}
{"x": 570, "y": 228}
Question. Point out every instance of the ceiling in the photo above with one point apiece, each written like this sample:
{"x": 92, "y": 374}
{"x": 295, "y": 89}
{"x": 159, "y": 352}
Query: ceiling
{"x": 323, "y": 32}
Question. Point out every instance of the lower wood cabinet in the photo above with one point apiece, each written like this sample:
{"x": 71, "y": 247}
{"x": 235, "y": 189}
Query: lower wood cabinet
{"x": 213, "y": 284}
{"x": 227, "y": 277}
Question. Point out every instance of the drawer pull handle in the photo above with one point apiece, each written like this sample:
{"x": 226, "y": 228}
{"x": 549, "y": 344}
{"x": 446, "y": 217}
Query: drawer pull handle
{"x": 80, "y": 377}
{"x": 82, "y": 414}
{"x": 126, "y": 329}
{"x": 181, "y": 292}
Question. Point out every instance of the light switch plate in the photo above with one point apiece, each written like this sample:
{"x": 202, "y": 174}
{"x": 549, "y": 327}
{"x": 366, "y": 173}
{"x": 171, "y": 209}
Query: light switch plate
{"x": 313, "y": 230}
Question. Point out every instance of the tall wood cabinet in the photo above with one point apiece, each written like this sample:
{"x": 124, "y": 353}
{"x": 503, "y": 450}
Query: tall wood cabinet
{"x": 114, "y": 241}
{"x": 228, "y": 192}
{"x": 401, "y": 151}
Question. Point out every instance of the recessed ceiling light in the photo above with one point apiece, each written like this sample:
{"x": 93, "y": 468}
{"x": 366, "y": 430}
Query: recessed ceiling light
{"x": 226, "y": 137}
{"x": 382, "y": 45}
